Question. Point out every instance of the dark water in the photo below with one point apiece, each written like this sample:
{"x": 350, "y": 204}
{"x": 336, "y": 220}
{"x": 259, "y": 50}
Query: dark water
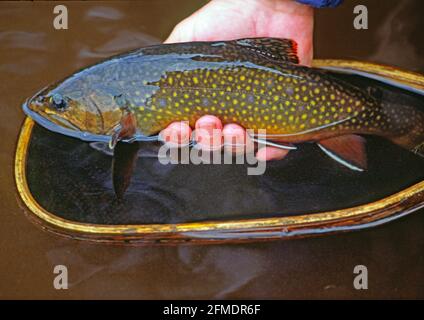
{"x": 33, "y": 54}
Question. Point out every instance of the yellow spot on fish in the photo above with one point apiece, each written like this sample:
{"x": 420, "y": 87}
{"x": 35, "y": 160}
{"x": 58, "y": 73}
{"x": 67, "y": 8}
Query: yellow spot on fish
{"x": 195, "y": 80}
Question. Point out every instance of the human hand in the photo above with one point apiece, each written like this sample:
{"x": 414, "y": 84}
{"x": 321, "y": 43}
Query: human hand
{"x": 234, "y": 19}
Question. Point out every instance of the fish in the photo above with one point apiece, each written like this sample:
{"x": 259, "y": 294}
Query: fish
{"x": 257, "y": 83}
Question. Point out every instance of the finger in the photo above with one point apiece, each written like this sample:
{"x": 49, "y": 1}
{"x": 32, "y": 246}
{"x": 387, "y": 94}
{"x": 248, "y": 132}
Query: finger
{"x": 236, "y": 140}
{"x": 271, "y": 153}
{"x": 176, "y": 134}
{"x": 208, "y": 133}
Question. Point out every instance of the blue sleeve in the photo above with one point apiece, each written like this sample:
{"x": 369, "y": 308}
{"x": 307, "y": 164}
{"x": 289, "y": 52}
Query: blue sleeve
{"x": 321, "y": 3}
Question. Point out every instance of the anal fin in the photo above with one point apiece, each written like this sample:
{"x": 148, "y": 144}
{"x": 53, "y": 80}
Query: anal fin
{"x": 348, "y": 150}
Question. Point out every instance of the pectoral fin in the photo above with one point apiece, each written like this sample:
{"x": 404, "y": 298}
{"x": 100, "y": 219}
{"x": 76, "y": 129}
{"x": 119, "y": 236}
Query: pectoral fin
{"x": 123, "y": 164}
{"x": 126, "y": 129}
{"x": 280, "y": 145}
{"x": 348, "y": 150}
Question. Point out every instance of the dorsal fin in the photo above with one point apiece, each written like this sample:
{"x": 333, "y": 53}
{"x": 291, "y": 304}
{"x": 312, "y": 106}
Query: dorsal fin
{"x": 284, "y": 50}
{"x": 349, "y": 150}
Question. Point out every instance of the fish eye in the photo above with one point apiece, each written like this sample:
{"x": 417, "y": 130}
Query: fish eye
{"x": 58, "y": 102}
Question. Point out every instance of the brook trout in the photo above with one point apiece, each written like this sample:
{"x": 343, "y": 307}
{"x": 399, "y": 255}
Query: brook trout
{"x": 255, "y": 82}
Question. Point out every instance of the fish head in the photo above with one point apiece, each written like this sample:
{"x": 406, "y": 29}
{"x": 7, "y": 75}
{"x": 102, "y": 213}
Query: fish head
{"x": 75, "y": 110}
